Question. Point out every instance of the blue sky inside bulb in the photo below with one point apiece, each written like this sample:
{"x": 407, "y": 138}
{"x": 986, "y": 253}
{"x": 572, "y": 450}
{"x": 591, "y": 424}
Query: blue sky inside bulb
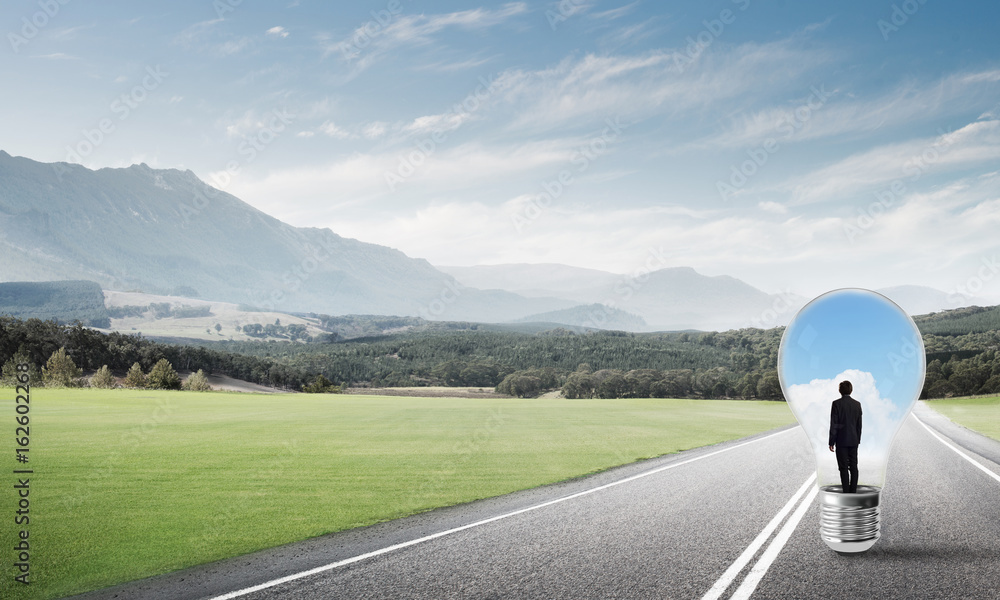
{"x": 863, "y": 337}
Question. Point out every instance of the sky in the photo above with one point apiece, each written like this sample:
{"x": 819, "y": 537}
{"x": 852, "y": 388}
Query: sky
{"x": 862, "y": 337}
{"x": 800, "y": 147}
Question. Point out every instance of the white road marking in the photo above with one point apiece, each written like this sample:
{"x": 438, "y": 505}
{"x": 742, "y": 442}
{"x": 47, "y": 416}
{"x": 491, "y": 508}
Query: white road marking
{"x": 386, "y": 550}
{"x": 959, "y": 452}
{"x": 734, "y": 569}
{"x": 758, "y": 571}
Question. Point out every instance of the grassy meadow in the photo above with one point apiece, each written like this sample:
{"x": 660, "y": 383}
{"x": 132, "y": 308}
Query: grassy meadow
{"x": 131, "y": 483}
{"x": 980, "y": 414}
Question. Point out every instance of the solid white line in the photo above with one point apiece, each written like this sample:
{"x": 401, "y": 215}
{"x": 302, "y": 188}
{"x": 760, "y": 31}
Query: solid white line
{"x": 960, "y": 453}
{"x": 758, "y": 571}
{"x": 374, "y": 553}
{"x": 734, "y": 569}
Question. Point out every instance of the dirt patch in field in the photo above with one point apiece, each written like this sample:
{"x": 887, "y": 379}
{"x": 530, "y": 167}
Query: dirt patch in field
{"x": 229, "y": 384}
{"x": 429, "y": 392}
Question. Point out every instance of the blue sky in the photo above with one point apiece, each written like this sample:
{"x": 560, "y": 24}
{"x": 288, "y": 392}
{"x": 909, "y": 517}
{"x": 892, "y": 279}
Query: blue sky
{"x": 797, "y": 146}
{"x": 854, "y": 329}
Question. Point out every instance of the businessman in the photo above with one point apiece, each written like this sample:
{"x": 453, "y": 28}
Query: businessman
{"x": 845, "y": 436}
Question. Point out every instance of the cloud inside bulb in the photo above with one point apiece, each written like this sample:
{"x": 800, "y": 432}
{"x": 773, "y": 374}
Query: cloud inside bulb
{"x": 881, "y": 417}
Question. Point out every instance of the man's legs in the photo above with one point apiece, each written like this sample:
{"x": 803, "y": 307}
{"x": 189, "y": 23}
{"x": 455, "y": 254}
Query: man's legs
{"x": 842, "y": 464}
{"x": 852, "y": 465}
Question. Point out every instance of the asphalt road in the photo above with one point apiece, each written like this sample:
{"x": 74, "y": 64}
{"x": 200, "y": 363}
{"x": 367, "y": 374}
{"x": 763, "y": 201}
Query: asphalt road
{"x": 673, "y": 527}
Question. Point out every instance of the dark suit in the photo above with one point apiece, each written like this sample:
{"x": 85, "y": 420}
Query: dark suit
{"x": 845, "y": 434}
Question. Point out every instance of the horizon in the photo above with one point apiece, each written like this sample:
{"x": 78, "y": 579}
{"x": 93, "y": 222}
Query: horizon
{"x": 800, "y": 149}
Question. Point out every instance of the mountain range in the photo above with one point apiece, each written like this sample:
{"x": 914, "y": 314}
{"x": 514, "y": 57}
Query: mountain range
{"x": 164, "y": 231}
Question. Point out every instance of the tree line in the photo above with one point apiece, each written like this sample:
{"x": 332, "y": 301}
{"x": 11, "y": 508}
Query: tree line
{"x": 35, "y": 341}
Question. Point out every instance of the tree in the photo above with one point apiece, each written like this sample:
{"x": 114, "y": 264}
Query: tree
{"x": 769, "y": 387}
{"x": 60, "y": 370}
{"x": 321, "y": 385}
{"x": 197, "y": 382}
{"x": 163, "y": 376}
{"x": 103, "y": 378}
{"x": 579, "y": 385}
{"x": 10, "y": 373}
{"x": 613, "y": 386}
{"x": 135, "y": 378}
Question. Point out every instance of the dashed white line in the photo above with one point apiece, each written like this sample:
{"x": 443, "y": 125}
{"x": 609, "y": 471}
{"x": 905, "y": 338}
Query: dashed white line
{"x": 959, "y": 452}
{"x": 386, "y": 550}
{"x": 734, "y": 569}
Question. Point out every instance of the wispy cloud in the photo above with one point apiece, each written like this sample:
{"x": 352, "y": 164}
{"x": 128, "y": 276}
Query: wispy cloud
{"x": 369, "y": 43}
{"x": 330, "y": 129}
{"x": 848, "y": 114}
{"x": 277, "y": 32}
{"x": 872, "y": 170}
{"x": 655, "y": 82}
{"x": 616, "y": 13}
{"x": 57, "y": 56}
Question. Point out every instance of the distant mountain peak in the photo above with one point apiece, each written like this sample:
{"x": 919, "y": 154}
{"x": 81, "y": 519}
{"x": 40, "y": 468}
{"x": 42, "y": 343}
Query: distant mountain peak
{"x": 161, "y": 230}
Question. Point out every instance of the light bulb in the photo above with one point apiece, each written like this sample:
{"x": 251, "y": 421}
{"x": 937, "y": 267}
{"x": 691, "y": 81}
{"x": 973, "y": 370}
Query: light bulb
{"x": 863, "y": 337}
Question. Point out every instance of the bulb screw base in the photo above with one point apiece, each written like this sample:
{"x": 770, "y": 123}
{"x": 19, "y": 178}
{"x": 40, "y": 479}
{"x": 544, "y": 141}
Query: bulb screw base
{"x": 850, "y": 522}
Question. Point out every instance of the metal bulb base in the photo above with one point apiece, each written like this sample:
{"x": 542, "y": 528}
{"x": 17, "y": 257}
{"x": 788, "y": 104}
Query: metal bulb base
{"x": 849, "y": 522}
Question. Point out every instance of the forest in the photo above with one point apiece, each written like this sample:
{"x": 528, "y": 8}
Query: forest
{"x": 961, "y": 348}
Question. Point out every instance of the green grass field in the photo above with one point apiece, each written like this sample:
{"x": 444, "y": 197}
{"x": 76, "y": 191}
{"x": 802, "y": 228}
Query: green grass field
{"x": 980, "y": 414}
{"x": 133, "y": 483}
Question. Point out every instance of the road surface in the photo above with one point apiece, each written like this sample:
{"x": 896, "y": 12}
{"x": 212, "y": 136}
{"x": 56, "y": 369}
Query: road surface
{"x": 735, "y": 520}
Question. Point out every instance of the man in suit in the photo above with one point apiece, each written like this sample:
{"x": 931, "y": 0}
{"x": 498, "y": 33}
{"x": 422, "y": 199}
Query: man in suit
{"x": 845, "y": 436}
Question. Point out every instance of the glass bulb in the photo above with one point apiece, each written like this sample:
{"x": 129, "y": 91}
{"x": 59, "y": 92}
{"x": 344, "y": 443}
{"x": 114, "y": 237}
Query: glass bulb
{"x": 863, "y": 337}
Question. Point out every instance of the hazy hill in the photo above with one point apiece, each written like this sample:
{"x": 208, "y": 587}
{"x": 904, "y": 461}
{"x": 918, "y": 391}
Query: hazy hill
{"x": 668, "y": 299}
{"x": 64, "y": 301}
{"x": 594, "y": 316}
{"x": 918, "y": 299}
{"x": 167, "y": 232}
{"x": 543, "y": 279}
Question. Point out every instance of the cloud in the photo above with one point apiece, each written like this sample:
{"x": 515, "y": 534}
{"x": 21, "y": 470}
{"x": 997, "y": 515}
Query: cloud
{"x": 881, "y": 418}
{"x": 332, "y": 130}
{"x": 372, "y": 40}
{"x": 662, "y": 82}
{"x": 773, "y": 207}
{"x": 616, "y": 13}
{"x": 277, "y": 32}
{"x": 875, "y": 169}
{"x": 845, "y": 113}
{"x": 57, "y": 56}
{"x": 206, "y": 37}
{"x": 375, "y": 129}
